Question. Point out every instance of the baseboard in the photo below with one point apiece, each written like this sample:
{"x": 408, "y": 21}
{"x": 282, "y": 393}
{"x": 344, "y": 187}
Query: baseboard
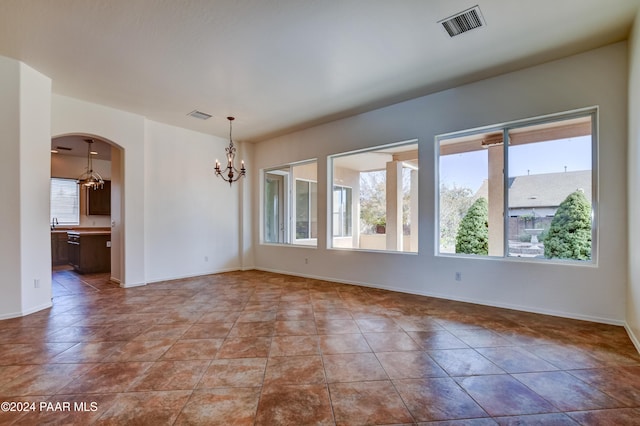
{"x": 125, "y": 285}
{"x": 494, "y": 304}
{"x": 633, "y": 337}
{"x": 560, "y": 314}
{"x": 38, "y": 308}
{"x": 27, "y": 312}
{"x": 115, "y": 280}
{"x": 202, "y": 274}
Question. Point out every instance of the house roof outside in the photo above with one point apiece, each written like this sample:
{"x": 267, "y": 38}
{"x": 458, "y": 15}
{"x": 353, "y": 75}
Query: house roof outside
{"x": 543, "y": 190}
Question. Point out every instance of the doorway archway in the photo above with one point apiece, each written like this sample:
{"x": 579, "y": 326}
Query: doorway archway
{"x": 68, "y": 161}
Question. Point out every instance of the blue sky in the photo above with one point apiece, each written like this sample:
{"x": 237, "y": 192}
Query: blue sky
{"x": 470, "y": 169}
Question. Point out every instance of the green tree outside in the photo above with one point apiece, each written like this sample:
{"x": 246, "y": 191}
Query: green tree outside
{"x": 454, "y": 203}
{"x": 569, "y": 235}
{"x": 473, "y": 232}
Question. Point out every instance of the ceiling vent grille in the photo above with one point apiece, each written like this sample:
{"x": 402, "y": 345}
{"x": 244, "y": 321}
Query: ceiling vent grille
{"x": 463, "y": 21}
{"x": 200, "y": 115}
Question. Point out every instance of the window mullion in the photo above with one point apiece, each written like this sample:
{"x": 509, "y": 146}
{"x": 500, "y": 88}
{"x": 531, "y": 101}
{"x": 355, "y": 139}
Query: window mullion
{"x": 505, "y": 198}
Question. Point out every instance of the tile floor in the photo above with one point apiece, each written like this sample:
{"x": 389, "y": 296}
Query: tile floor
{"x": 267, "y": 349}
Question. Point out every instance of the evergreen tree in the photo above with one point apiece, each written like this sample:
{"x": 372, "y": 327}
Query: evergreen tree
{"x": 454, "y": 203}
{"x": 473, "y": 232}
{"x": 569, "y": 236}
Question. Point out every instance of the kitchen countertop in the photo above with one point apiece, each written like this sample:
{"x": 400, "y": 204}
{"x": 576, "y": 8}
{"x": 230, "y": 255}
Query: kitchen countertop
{"x": 87, "y": 232}
{"x": 82, "y": 231}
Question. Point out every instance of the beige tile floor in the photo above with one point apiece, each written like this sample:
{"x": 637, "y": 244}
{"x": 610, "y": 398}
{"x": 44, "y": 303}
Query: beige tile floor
{"x": 266, "y": 349}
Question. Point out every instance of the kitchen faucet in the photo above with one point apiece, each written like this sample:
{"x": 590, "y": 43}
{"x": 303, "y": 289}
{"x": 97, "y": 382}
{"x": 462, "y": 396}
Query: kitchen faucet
{"x": 54, "y": 222}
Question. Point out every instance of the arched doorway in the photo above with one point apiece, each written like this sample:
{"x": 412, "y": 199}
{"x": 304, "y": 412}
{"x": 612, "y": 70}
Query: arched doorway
{"x": 69, "y": 157}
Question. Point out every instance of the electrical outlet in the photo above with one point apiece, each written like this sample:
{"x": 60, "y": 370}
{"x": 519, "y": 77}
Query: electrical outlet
{"x": 458, "y": 276}
{"x": 108, "y": 243}
{"x": 306, "y": 260}
{"x": 206, "y": 258}
{"x": 36, "y": 283}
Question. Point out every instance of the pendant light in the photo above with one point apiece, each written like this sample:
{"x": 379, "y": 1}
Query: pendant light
{"x": 90, "y": 178}
{"x": 230, "y": 173}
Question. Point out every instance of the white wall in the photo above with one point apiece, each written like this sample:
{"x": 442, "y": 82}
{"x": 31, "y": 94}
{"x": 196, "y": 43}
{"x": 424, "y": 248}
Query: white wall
{"x": 191, "y": 221}
{"x": 25, "y": 246}
{"x": 35, "y": 152}
{"x": 11, "y": 300}
{"x": 117, "y": 213}
{"x": 633, "y": 292}
{"x": 248, "y": 193}
{"x": 597, "y": 77}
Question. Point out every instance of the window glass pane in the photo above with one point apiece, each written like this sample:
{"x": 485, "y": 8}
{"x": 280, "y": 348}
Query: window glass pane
{"x": 273, "y": 200}
{"x": 337, "y": 207}
{"x": 65, "y": 201}
{"x": 373, "y": 201}
{"x": 346, "y": 212}
{"x": 302, "y": 209}
{"x": 342, "y": 205}
{"x": 550, "y": 175}
{"x": 465, "y": 191}
{"x": 313, "y": 214}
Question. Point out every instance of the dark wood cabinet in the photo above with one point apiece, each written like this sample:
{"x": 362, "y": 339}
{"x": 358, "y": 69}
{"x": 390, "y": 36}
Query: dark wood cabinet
{"x": 59, "y": 248}
{"x": 99, "y": 200}
{"x": 89, "y": 252}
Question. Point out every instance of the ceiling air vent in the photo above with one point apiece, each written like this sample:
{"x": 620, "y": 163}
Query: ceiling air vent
{"x": 200, "y": 115}
{"x": 463, "y": 21}
{"x": 63, "y": 148}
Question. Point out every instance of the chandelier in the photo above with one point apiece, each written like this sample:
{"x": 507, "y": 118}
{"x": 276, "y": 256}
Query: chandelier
{"x": 90, "y": 178}
{"x": 230, "y": 173}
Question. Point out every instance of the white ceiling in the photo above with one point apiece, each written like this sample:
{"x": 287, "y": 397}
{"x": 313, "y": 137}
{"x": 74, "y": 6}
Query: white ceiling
{"x": 282, "y": 65}
{"x": 76, "y": 146}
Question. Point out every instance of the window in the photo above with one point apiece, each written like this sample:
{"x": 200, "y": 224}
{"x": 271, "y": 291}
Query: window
{"x": 374, "y": 202}
{"x": 306, "y": 210}
{"x": 290, "y": 213}
{"x": 342, "y": 223}
{"x": 542, "y": 207}
{"x": 65, "y": 202}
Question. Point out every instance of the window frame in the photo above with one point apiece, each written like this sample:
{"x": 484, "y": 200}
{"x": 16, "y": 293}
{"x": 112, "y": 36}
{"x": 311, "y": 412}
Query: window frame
{"x": 505, "y": 128}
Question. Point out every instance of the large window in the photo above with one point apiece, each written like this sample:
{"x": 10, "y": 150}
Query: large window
{"x": 65, "y": 202}
{"x": 290, "y": 213}
{"x": 520, "y": 190}
{"x": 374, "y": 201}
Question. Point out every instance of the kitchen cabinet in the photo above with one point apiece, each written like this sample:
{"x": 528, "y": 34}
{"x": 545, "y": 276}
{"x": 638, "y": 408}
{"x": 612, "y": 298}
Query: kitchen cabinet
{"x": 99, "y": 200}
{"x": 89, "y": 251}
{"x": 59, "y": 248}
